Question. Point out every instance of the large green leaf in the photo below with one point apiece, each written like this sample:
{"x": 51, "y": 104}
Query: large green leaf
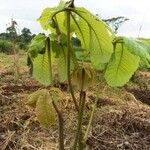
{"x": 95, "y": 36}
{"x": 61, "y": 51}
{"x": 144, "y": 64}
{"x": 42, "y": 70}
{"x": 33, "y": 97}
{"x": 138, "y": 47}
{"x": 121, "y": 67}
{"x": 44, "y": 109}
{"x": 47, "y": 22}
{"x": 42, "y": 63}
{"x": 37, "y": 45}
{"x": 62, "y": 64}
{"x": 45, "y": 18}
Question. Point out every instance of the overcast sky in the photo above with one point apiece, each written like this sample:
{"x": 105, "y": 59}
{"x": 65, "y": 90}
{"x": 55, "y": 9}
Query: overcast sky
{"x": 25, "y": 12}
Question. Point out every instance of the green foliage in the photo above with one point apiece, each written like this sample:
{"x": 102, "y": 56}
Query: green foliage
{"x": 138, "y": 47}
{"x": 44, "y": 19}
{"x": 42, "y": 60}
{"x": 44, "y": 110}
{"x": 56, "y": 95}
{"x": 144, "y": 64}
{"x": 41, "y": 69}
{"x": 121, "y": 67}
{"x": 4, "y": 36}
{"x": 93, "y": 30}
{"x": 12, "y": 30}
{"x": 141, "y": 48}
{"x": 128, "y": 53}
{"x": 32, "y": 98}
{"x": 22, "y": 41}
{"x": 95, "y": 36}
{"x": 26, "y": 35}
{"x": 37, "y": 45}
{"x": 95, "y": 44}
{"x": 41, "y": 100}
{"x": 62, "y": 64}
{"x": 6, "y": 47}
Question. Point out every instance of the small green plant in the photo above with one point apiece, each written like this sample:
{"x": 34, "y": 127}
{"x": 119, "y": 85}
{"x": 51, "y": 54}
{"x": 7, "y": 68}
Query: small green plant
{"x": 96, "y": 48}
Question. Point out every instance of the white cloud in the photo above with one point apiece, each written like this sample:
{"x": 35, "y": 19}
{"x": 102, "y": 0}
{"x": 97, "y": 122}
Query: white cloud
{"x": 26, "y": 12}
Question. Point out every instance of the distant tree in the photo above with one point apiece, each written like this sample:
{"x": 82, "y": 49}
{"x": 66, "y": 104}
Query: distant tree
{"x": 11, "y": 35}
{"x": 4, "y": 36}
{"x": 33, "y": 35}
{"x": 26, "y": 35}
{"x": 115, "y": 22}
{"x": 25, "y": 38}
{"x": 11, "y": 30}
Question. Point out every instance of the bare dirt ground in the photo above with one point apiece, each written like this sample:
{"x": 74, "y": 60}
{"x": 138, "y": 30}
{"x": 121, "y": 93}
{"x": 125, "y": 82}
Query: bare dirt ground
{"x": 122, "y": 119}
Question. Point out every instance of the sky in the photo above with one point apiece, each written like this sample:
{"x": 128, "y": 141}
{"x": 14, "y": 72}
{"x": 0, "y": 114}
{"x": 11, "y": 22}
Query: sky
{"x": 26, "y": 12}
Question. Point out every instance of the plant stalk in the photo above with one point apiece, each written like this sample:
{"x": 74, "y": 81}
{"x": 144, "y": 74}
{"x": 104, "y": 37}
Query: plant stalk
{"x": 91, "y": 117}
{"x": 49, "y": 58}
{"x": 79, "y": 137}
{"x": 68, "y": 60}
{"x": 61, "y": 127}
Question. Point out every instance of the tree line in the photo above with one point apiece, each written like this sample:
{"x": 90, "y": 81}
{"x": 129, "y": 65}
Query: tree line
{"x": 12, "y": 37}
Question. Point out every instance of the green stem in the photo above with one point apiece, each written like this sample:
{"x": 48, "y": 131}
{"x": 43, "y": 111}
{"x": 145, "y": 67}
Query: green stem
{"x": 57, "y": 28}
{"x": 79, "y": 29}
{"x": 49, "y": 58}
{"x": 68, "y": 60}
{"x": 61, "y": 127}
{"x": 57, "y": 12}
{"x": 80, "y": 118}
{"x": 72, "y": 4}
{"x": 82, "y": 98}
{"x": 91, "y": 117}
{"x": 79, "y": 137}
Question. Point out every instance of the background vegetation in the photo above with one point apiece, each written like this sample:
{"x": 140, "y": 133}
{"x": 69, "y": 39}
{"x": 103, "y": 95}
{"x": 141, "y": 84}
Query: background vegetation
{"x": 22, "y": 41}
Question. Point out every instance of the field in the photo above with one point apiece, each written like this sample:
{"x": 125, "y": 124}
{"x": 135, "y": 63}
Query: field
{"x": 122, "y": 118}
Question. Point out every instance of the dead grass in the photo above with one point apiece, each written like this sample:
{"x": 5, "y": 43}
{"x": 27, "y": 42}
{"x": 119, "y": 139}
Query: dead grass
{"x": 121, "y": 126}
{"x": 121, "y": 121}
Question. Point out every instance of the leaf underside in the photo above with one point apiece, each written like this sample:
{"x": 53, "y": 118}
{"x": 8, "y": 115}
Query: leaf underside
{"x": 44, "y": 110}
{"x": 121, "y": 67}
